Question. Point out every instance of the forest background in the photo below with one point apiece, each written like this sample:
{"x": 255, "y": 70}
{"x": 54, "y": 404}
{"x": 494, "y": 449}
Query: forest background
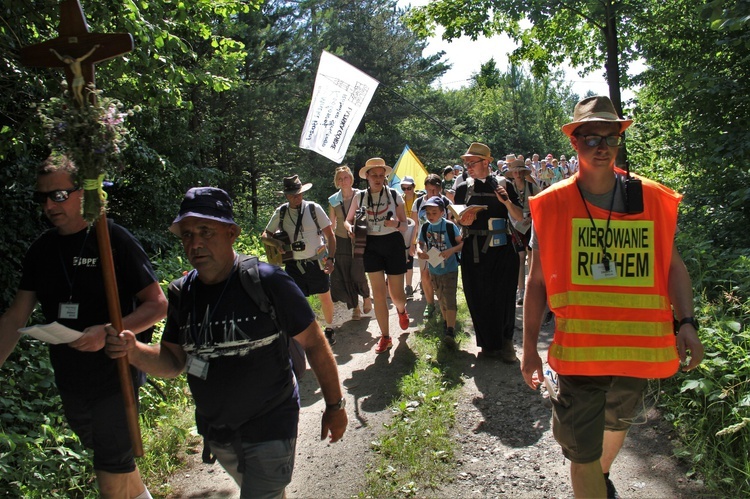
{"x": 223, "y": 90}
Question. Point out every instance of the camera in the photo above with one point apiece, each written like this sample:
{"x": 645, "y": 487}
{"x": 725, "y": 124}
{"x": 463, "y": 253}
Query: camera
{"x": 298, "y": 246}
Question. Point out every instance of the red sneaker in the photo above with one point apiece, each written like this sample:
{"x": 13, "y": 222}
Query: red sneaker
{"x": 403, "y": 320}
{"x": 384, "y": 344}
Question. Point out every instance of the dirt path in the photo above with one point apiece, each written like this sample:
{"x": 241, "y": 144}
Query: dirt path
{"x": 503, "y": 431}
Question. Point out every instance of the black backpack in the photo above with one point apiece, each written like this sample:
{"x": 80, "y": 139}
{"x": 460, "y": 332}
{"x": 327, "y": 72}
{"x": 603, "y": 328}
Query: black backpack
{"x": 250, "y": 279}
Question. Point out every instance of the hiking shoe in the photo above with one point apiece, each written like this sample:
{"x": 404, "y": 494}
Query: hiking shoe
{"x": 356, "y": 315}
{"x": 384, "y": 344}
{"x": 611, "y": 491}
{"x": 403, "y": 320}
{"x": 409, "y": 291}
{"x": 508, "y": 353}
{"x": 367, "y": 305}
{"x": 449, "y": 338}
{"x": 330, "y": 336}
{"x": 428, "y": 310}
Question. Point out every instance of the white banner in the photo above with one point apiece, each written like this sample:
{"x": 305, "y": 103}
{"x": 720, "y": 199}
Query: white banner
{"x": 340, "y": 99}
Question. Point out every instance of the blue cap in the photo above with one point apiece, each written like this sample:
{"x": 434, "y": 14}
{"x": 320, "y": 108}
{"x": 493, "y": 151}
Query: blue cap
{"x": 211, "y": 203}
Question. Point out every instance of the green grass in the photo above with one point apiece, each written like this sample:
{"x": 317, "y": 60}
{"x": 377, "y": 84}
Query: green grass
{"x": 416, "y": 451}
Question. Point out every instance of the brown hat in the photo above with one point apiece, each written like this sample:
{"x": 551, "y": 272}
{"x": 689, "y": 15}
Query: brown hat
{"x": 374, "y": 163}
{"x": 292, "y": 185}
{"x": 478, "y": 149}
{"x": 598, "y": 108}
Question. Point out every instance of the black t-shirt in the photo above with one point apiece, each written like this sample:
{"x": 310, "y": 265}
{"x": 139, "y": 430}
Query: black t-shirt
{"x": 249, "y": 389}
{"x": 66, "y": 269}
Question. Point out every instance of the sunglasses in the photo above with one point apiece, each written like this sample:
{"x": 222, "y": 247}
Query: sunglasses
{"x": 407, "y": 188}
{"x": 57, "y": 196}
{"x": 595, "y": 140}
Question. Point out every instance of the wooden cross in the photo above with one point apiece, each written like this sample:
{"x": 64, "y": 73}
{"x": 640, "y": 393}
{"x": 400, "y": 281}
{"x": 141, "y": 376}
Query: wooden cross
{"x": 76, "y": 50}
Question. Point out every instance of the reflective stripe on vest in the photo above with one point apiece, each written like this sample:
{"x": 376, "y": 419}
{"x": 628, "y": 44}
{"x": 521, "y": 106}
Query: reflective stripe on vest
{"x": 619, "y": 326}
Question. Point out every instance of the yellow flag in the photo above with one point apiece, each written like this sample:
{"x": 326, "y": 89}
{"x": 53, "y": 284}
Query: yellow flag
{"x": 408, "y": 165}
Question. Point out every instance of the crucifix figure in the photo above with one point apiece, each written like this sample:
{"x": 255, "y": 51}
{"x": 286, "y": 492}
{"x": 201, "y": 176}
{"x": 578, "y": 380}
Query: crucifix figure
{"x": 75, "y": 66}
{"x": 76, "y": 50}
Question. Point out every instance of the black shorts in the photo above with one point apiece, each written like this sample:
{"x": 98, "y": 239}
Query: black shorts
{"x": 101, "y": 425}
{"x": 309, "y": 276}
{"x": 386, "y": 253}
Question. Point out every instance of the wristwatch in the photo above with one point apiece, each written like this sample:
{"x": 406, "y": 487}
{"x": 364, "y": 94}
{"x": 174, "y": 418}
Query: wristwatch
{"x": 688, "y": 320}
{"x": 337, "y": 406}
{"x": 331, "y": 259}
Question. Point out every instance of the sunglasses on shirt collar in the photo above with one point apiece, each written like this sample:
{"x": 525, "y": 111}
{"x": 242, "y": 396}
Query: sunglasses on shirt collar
{"x": 57, "y": 196}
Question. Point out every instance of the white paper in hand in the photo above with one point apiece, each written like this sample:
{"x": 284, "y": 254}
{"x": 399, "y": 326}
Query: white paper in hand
{"x": 54, "y": 333}
{"x": 434, "y": 257}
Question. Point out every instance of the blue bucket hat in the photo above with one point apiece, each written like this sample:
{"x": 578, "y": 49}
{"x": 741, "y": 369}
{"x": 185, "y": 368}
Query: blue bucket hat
{"x": 210, "y": 203}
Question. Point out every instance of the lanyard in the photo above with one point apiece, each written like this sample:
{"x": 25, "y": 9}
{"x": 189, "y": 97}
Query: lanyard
{"x": 376, "y": 206}
{"x": 193, "y": 322}
{"x": 298, "y": 223}
{"x": 606, "y": 257}
{"x": 68, "y": 279}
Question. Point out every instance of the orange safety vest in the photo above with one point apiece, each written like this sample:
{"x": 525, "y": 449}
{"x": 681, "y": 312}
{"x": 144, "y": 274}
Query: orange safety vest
{"x": 620, "y": 326}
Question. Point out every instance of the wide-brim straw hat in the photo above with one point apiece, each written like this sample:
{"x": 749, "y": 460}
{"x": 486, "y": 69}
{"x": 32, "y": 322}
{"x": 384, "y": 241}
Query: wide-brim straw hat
{"x": 374, "y": 163}
{"x": 292, "y": 186}
{"x": 595, "y": 109}
{"x": 477, "y": 149}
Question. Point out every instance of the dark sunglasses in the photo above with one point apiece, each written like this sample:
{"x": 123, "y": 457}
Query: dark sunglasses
{"x": 409, "y": 188}
{"x": 57, "y": 196}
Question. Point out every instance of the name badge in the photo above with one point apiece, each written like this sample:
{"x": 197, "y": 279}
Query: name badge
{"x": 599, "y": 271}
{"x": 197, "y": 367}
{"x": 375, "y": 228}
{"x": 68, "y": 311}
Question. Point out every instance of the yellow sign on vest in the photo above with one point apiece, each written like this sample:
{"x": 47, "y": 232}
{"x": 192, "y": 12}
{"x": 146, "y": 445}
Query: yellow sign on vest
{"x": 630, "y": 244}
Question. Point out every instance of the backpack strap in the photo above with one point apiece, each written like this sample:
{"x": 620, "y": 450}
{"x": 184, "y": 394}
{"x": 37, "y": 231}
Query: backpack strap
{"x": 250, "y": 279}
{"x": 282, "y": 214}
{"x": 314, "y": 216}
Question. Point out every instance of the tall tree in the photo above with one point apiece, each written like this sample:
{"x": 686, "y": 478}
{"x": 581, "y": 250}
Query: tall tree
{"x": 593, "y": 34}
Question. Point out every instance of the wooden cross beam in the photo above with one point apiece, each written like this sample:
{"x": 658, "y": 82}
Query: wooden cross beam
{"x": 76, "y": 50}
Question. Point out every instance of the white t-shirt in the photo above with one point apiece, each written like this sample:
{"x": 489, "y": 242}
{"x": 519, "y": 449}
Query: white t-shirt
{"x": 308, "y": 232}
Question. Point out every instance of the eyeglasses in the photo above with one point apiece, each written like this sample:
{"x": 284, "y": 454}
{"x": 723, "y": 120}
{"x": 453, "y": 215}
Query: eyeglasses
{"x": 407, "y": 188}
{"x": 57, "y": 196}
{"x": 471, "y": 165}
{"x": 595, "y": 140}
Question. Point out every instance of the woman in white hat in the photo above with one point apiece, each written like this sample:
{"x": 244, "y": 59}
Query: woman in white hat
{"x": 384, "y": 250}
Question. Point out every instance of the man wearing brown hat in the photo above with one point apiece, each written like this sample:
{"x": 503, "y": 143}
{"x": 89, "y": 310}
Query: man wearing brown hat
{"x": 489, "y": 264}
{"x": 235, "y": 353}
{"x": 313, "y": 243}
{"x": 605, "y": 260}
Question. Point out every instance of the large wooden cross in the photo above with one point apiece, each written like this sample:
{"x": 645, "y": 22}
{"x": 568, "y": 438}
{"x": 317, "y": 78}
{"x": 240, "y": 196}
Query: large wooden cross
{"x": 76, "y": 50}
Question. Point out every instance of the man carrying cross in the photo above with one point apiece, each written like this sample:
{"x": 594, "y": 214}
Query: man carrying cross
{"x": 62, "y": 273}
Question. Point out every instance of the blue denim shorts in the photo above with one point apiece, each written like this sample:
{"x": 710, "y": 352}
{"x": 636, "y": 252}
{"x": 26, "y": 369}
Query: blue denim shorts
{"x": 268, "y": 466}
